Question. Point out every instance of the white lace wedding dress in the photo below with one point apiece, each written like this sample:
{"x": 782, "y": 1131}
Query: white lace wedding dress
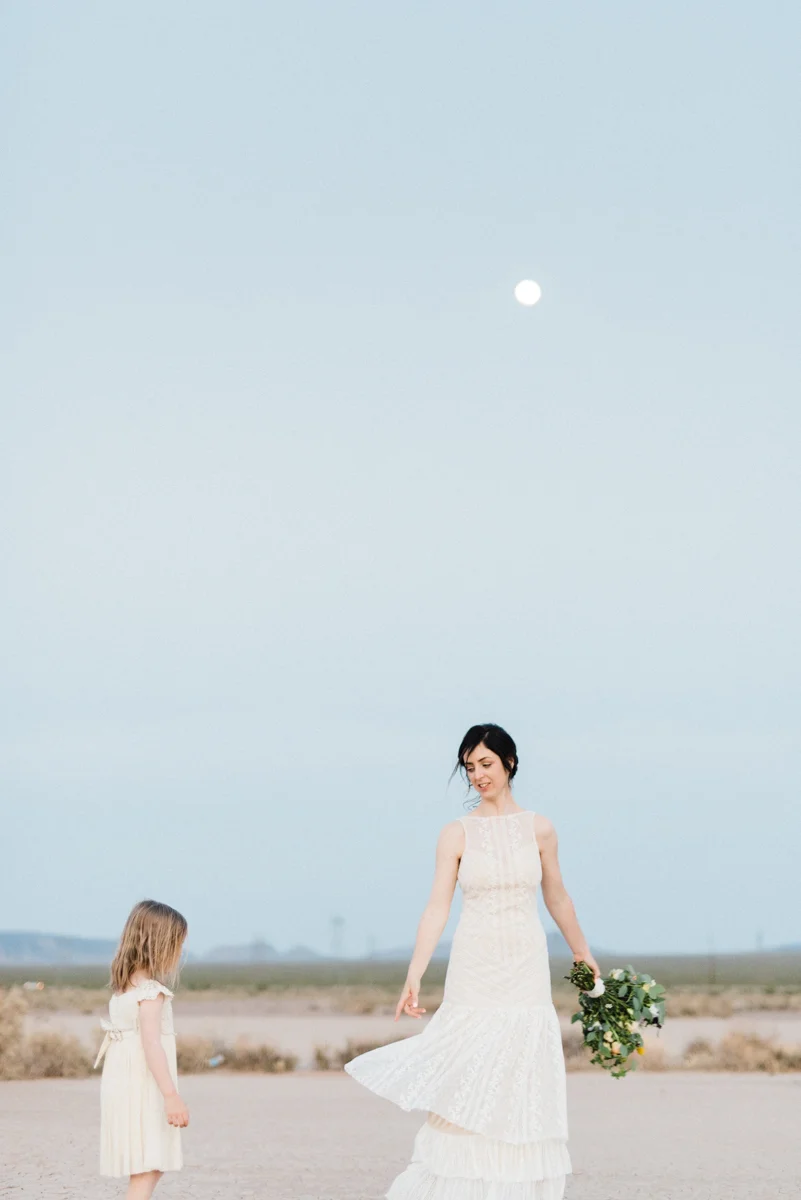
{"x": 489, "y": 1067}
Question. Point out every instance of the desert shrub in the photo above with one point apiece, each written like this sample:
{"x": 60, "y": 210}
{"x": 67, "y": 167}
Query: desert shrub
{"x": 12, "y": 1014}
{"x": 327, "y": 1058}
{"x": 75, "y": 999}
{"x": 725, "y": 1002}
{"x": 577, "y": 1056}
{"x": 353, "y": 1049}
{"x": 742, "y": 1052}
{"x": 699, "y": 1055}
{"x": 245, "y": 1057}
{"x": 654, "y": 1058}
{"x": 745, "y": 1052}
{"x": 46, "y": 1055}
{"x": 54, "y": 1056}
{"x": 195, "y": 1055}
{"x": 689, "y": 1003}
{"x": 324, "y": 1058}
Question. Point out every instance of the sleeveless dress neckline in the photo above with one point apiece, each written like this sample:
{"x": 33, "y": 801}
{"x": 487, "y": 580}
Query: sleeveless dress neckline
{"x": 523, "y": 812}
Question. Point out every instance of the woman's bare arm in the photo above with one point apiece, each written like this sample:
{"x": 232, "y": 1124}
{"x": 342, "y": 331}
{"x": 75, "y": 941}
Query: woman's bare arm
{"x": 435, "y": 915}
{"x": 555, "y": 894}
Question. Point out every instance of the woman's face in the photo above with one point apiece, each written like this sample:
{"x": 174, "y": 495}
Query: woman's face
{"x": 486, "y": 772}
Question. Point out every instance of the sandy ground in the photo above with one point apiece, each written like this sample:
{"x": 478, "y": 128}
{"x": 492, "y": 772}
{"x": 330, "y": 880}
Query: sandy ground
{"x": 322, "y": 1137}
{"x": 300, "y": 1033}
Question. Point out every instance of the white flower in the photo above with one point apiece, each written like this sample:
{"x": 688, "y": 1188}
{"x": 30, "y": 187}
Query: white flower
{"x": 615, "y": 1047}
{"x": 654, "y": 1010}
{"x": 646, "y": 987}
{"x": 608, "y": 1035}
{"x": 617, "y": 973}
{"x": 634, "y": 1026}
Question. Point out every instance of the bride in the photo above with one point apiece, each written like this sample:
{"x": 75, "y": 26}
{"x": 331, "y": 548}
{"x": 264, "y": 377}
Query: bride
{"x": 488, "y": 1069}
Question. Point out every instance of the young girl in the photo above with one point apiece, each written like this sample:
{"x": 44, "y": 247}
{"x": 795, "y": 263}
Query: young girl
{"x": 141, "y": 1112}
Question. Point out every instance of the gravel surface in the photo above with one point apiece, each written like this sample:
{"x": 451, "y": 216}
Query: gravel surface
{"x": 676, "y": 1136}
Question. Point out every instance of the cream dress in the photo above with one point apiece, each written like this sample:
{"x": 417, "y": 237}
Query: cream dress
{"x": 488, "y": 1068}
{"x": 134, "y": 1133}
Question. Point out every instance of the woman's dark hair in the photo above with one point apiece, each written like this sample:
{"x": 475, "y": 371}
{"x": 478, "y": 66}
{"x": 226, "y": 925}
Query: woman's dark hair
{"x": 495, "y": 739}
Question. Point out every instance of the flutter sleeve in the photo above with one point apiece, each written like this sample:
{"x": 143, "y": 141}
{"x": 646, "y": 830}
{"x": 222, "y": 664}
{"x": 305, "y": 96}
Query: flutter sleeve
{"x": 151, "y": 989}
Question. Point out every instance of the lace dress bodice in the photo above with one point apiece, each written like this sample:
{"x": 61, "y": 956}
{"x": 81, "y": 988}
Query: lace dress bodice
{"x": 499, "y": 957}
{"x": 124, "y": 1007}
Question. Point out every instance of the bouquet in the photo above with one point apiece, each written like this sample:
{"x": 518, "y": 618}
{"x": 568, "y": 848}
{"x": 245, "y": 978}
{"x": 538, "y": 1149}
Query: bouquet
{"x": 613, "y": 1011}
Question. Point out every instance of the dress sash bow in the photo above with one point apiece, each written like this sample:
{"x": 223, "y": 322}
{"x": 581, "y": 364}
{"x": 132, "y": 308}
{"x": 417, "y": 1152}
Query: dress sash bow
{"x": 113, "y": 1034}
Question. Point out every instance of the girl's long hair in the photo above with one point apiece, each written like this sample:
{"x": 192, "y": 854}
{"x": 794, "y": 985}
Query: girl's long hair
{"x": 150, "y": 944}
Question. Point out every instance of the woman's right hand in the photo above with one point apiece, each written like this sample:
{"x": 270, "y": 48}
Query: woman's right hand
{"x": 409, "y": 999}
{"x": 176, "y": 1111}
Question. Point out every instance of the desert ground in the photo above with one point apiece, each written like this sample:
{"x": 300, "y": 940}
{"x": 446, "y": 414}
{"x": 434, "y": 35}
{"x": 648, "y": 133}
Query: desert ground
{"x": 682, "y": 1127}
{"x": 672, "y": 1136}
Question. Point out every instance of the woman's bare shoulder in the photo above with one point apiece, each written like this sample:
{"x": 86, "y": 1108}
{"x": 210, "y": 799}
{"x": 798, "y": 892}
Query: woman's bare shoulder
{"x": 451, "y": 837}
{"x": 544, "y": 828}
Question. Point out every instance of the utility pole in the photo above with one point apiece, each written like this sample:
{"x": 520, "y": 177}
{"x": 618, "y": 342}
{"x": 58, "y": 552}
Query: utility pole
{"x": 712, "y": 963}
{"x": 337, "y": 936}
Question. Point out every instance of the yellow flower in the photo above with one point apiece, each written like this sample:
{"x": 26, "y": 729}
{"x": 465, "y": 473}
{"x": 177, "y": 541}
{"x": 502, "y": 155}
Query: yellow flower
{"x": 641, "y": 1049}
{"x": 646, "y": 987}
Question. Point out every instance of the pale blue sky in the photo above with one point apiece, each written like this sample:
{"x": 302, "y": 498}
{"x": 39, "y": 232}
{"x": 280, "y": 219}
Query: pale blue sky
{"x": 293, "y": 491}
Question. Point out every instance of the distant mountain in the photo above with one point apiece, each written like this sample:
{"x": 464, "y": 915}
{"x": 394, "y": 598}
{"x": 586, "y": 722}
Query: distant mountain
{"x": 259, "y": 952}
{"x": 52, "y": 948}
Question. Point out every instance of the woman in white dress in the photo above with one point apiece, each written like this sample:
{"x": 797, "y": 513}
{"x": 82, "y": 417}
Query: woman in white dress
{"x": 488, "y": 1068}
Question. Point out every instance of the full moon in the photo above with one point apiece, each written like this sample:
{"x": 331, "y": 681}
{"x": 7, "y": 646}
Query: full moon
{"x": 527, "y": 292}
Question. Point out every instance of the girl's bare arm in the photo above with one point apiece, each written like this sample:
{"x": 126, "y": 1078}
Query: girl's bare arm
{"x": 156, "y": 1059}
